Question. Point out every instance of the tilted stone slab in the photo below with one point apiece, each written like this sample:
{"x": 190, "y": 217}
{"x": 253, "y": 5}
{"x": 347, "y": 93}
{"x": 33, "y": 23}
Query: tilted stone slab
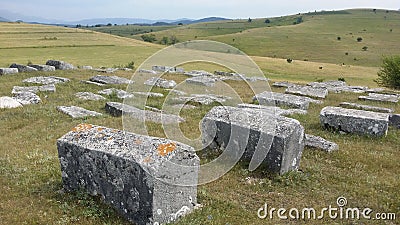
{"x": 196, "y": 73}
{"x": 46, "y": 80}
{"x": 6, "y": 71}
{"x": 274, "y": 110}
{"x": 23, "y": 68}
{"x": 281, "y": 139}
{"x": 394, "y": 120}
{"x": 106, "y": 70}
{"x": 87, "y": 67}
{"x": 147, "y": 71}
{"x": 89, "y": 96}
{"x": 27, "y": 98}
{"x": 119, "y": 109}
{"x": 355, "y": 121}
{"x": 77, "y": 112}
{"x": 34, "y": 89}
{"x": 201, "y": 80}
{"x": 121, "y": 94}
{"x": 60, "y": 65}
{"x": 9, "y": 103}
{"x": 338, "y": 86}
{"x": 45, "y": 68}
{"x": 380, "y": 98}
{"x": 375, "y": 90}
{"x": 91, "y": 82}
{"x": 307, "y": 91}
{"x": 160, "y": 82}
{"x": 110, "y": 80}
{"x": 283, "y": 84}
{"x": 288, "y": 100}
{"x": 148, "y": 180}
{"x": 320, "y": 143}
{"x": 149, "y": 94}
{"x": 365, "y": 107}
{"x": 204, "y": 99}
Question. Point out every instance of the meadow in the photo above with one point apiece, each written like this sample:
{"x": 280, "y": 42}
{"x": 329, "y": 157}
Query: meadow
{"x": 364, "y": 170}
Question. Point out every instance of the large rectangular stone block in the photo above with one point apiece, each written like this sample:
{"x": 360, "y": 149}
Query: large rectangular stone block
{"x": 279, "y": 140}
{"x": 288, "y": 100}
{"x": 355, "y": 121}
{"x": 148, "y": 180}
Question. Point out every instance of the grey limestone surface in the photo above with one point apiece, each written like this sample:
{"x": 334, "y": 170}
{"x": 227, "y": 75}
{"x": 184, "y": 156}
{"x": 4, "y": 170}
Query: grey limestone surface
{"x": 77, "y": 112}
{"x": 246, "y": 132}
{"x": 60, "y": 65}
{"x": 320, "y": 143}
{"x": 148, "y": 180}
{"x": 355, "y": 121}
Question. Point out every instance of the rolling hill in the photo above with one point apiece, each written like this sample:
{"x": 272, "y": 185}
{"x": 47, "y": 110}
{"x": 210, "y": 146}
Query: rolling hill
{"x": 321, "y": 36}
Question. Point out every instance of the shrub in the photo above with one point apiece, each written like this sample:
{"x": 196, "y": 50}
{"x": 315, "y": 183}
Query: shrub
{"x": 339, "y": 38}
{"x": 365, "y": 48}
{"x": 289, "y": 60}
{"x": 267, "y": 21}
{"x": 389, "y": 73}
{"x": 341, "y": 79}
{"x": 359, "y": 39}
{"x": 148, "y": 37}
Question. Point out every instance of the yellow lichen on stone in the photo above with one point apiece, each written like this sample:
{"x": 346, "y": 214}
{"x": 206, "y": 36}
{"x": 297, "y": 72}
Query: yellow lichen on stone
{"x": 82, "y": 127}
{"x": 147, "y": 159}
{"x": 165, "y": 149}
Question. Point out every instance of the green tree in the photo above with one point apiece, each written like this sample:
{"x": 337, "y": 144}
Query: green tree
{"x": 164, "y": 40}
{"x": 148, "y": 37}
{"x": 389, "y": 73}
{"x": 267, "y": 21}
{"x": 249, "y": 20}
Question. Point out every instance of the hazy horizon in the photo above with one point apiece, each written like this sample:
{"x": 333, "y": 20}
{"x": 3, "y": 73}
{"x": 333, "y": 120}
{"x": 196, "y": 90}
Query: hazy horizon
{"x": 75, "y": 10}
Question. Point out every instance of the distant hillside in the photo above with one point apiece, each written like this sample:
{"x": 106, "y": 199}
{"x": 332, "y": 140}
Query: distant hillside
{"x": 3, "y": 19}
{"x": 326, "y": 36}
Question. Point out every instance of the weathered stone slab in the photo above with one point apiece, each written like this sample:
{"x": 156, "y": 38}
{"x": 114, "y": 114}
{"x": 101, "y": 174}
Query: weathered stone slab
{"x": 204, "y": 99}
{"x": 338, "y": 86}
{"x": 394, "y": 120}
{"x": 375, "y": 90}
{"x": 365, "y": 107}
{"x": 121, "y": 94}
{"x": 34, "y": 89}
{"x": 91, "y": 82}
{"x": 160, "y": 82}
{"x": 23, "y": 68}
{"x": 45, "y": 68}
{"x": 147, "y": 71}
{"x": 148, "y": 180}
{"x": 168, "y": 69}
{"x": 274, "y": 110}
{"x": 320, "y": 143}
{"x": 27, "y": 98}
{"x": 60, "y": 65}
{"x": 46, "y": 80}
{"x": 110, "y": 80}
{"x": 283, "y": 84}
{"x": 89, "y": 96}
{"x": 6, "y": 71}
{"x": 184, "y": 106}
{"x": 9, "y": 103}
{"x": 149, "y": 94}
{"x": 87, "y": 67}
{"x": 288, "y": 100}
{"x": 255, "y": 79}
{"x": 77, "y": 112}
{"x": 106, "y": 70}
{"x": 201, "y": 80}
{"x": 119, "y": 109}
{"x": 307, "y": 91}
{"x": 355, "y": 121}
{"x": 177, "y": 92}
{"x": 380, "y": 98}
{"x": 280, "y": 139}
{"x": 196, "y": 73}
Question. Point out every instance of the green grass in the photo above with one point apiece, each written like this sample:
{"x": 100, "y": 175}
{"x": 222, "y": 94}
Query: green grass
{"x": 364, "y": 170}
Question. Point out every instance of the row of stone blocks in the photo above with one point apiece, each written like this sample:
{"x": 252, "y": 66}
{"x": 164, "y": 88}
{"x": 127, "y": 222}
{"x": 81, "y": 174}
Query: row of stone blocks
{"x": 152, "y": 180}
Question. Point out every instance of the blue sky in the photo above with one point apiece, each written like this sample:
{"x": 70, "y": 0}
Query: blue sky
{"x": 172, "y": 9}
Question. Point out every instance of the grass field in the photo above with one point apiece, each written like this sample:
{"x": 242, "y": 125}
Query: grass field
{"x": 364, "y": 170}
